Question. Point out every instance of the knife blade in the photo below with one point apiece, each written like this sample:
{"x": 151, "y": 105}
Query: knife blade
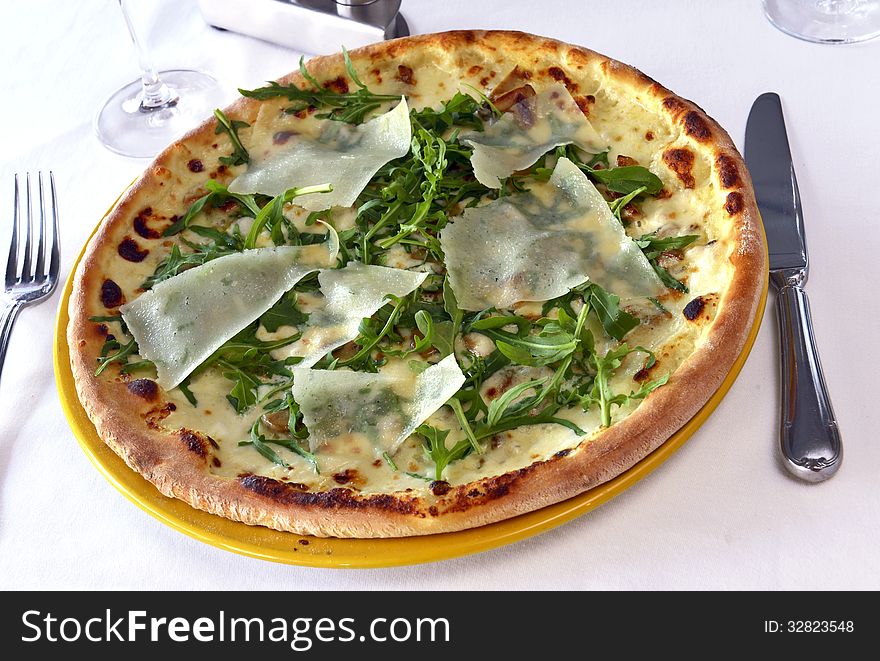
{"x": 810, "y": 441}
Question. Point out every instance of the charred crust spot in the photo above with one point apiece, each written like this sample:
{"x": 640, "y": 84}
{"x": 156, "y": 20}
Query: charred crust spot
{"x": 143, "y": 229}
{"x": 216, "y": 461}
{"x": 559, "y": 75}
{"x": 346, "y": 476}
{"x": 377, "y": 463}
{"x": 693, "y": 309}
{"x": 474, "y": 70}
{"x": 144, "y": 388}
{"x": 195, "y": 442}
{"x": 433, "y": 510}
{"x": 195, "y": 165}
{"x": 156, "y": 415}
{"x": 439, "y": 487}
{"x": 645, "y": 372}
{"x": 649, "y": 136}
{"x": 681, "y": 162}
{"x": 111, "y": 294}
{"x": 663, "y": 194}
{"x": 728, "y": 172}
{"x": 405, "y": 74}
{"x": 305, "y": 112}
{"x": 302, "y": 542}
{"x": 490, "y": 489}
{"x": 734, "y": 203}
{"x": 696, "y": 127}
{"x": 584, "y": 103}
{"x": 674, "y": 106}
{"x": 129, "y": 250}
{"x": 103, "y": 330}
{"x": 338, "y": 85}
{"x": 473, "y": 493}
{"x": 334, "y": 499}
{"x": 623, "y": 161}
{"x": 281, "y": 137}
{"x": 562, "y": 453}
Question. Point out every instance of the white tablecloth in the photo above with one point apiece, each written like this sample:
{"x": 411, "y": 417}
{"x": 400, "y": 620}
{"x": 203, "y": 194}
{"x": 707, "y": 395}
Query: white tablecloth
{"x": 720, "y": 514}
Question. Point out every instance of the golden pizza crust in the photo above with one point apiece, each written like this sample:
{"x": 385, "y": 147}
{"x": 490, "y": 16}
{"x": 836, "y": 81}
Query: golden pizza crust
{"x": 128, "y": 416}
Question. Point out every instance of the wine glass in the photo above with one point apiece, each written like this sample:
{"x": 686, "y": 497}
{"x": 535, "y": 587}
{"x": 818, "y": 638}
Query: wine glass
{"x": 826, "y": 21}
{"x": 146, "y": 115}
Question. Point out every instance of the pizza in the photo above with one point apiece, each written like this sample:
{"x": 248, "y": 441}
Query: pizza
{"x": 423, "y": 286}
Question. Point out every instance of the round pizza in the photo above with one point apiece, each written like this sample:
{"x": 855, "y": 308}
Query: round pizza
{"x": 419, "y": 287}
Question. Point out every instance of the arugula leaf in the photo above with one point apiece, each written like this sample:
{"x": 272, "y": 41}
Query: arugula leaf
{"x": 261, "y": 445}
{"x": 616, "y": 322}
{"x": 429, "y": 151}
{"x": 434, "y": 334}
{"x": 601, "y": 393}
{"x": 550, "y": 345}
{"x": 349, "y": 107}
{"x": 183, "y": 386}
{"x": 618, "y": 204}
{"x": 121, "y": 356}
{"x": 243, "y": 394}
{"x": 272, "y": 214}
{"x": 435, "y": 448}
{"x": 239, "y": 154}
{"x": 627, "y": 179}
{"x": 217, "y": 194}
{"x": 455, "y": 405}
{"x": 450, "y": 304}
{"x": 653, "y": 247}
{"x": 178, "y": 261}
{"x": 503, "y": 404}
{"x": 623, "y": 180}
{"x": 284, "y": 313}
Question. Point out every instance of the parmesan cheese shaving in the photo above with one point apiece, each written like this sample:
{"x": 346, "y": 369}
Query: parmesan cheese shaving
{"x": 531, "y": 128}
{"x": 343, "y": 155}
{"x": 181, "y": 321}
{"x": 384, "y": 408}
{"x": 537, "y": 245}
{"x": 351, "y": 294}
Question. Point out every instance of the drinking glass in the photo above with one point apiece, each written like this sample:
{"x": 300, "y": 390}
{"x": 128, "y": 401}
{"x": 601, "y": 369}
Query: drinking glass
{"x": 146, "y": 115}
{"x": 826, "y": 21}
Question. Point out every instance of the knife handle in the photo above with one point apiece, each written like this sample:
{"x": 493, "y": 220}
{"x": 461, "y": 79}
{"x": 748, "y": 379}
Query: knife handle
{"x": 809, "y": 436}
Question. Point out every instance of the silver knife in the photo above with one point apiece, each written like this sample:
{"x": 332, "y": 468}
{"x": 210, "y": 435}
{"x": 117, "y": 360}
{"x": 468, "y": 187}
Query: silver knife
{"x": 809, "y": 435}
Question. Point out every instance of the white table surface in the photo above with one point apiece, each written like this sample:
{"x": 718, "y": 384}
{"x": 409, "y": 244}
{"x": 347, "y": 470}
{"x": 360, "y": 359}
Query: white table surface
{"x": 721, "y": 513}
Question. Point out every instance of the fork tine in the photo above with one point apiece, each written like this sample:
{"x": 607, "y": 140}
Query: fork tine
{"x": 41, "y": 243}
{"x": 12, "y": 262}
{"x": 25, "y": 275}
{"x": 55, "y": 261}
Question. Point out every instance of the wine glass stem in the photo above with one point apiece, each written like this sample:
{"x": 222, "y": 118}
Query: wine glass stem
{"x": 156, "y": 94}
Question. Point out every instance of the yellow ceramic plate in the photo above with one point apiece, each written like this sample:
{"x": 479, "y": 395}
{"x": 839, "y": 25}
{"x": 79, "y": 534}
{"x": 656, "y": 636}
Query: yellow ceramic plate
{"x": 259, "y": 542}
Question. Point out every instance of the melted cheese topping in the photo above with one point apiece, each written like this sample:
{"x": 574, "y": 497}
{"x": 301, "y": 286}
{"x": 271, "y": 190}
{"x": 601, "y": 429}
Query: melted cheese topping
{"x": 181, "y": 321}
{"x": 534, "y": 126}
{"x": 536, "y": 246}
{"x": 343, "y": 155}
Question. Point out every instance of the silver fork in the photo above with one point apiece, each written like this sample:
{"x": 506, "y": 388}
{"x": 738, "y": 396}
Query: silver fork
{"x": 29, "y": 283}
